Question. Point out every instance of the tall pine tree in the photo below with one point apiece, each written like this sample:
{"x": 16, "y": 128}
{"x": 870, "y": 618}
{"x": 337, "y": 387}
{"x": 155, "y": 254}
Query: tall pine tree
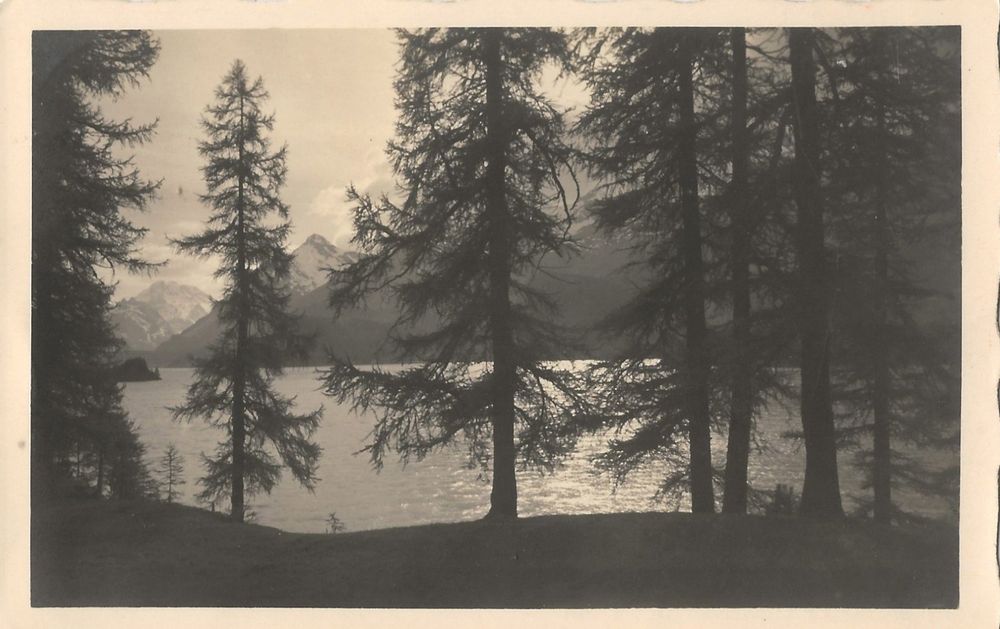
{"x": 644, "y": 119}
{"x": 741, "y": 409}
{"x": 233, "y": 386}
{"x": 480, "y": 158}
{"x": 754, "y": 199}
{"x": 81, "y": 183}
{"x": 895, "y": 176}
{"x": 821, "y": 489}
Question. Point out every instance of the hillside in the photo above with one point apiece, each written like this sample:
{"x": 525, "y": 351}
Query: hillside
{"x": 96, "y": 553}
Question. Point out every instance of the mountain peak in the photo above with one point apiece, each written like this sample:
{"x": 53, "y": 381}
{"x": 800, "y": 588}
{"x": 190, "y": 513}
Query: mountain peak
{"x": 319, "y": 242}
{"x": 166, "y": 307}
{"x": 311, "y": 260}
{"x": 163, "y": 284}
{"x": 161, "y": 289}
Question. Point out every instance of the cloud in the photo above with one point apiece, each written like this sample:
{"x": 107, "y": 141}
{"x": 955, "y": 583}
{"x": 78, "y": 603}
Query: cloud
{"x": 185, "y": 228}
{"x": 158, "y": 252}
{"x": 179, "y": 267}
{"x": 182, "y": 269}
{"x": 373, "y": 176}
{"x": 331, "y": 204}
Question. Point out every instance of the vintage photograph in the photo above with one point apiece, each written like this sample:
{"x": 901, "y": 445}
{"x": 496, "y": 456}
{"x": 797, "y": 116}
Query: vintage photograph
{"x": 496, "y": 317}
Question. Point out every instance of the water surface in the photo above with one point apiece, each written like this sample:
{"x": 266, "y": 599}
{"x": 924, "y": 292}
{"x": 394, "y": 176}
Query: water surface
{"x": 441, "y": 488}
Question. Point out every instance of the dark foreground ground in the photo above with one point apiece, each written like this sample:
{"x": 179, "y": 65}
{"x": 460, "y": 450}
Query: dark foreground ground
{"x": 91, "y": 553}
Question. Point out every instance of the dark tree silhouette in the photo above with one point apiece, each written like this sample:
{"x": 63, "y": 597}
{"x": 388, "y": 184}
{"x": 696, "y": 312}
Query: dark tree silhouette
{"x": 644, "y": 124}
{"x": 127, "y": 472}
{"x": 80, "y": 184}
{"x": 821, "y": 489}
{"x": 754, "y": 209}
{"x": 171, "y": 472}
{"x": 233, "y": 386}
{"x": 895, "y": 176}
{"x": 741, "y": 410}
{"x": 479, "y": 155}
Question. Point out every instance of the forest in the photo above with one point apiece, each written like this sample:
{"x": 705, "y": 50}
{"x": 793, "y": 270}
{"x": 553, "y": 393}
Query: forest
{"x": 786, "y": 200}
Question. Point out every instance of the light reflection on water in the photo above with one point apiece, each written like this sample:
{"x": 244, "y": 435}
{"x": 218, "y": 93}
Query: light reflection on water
{"x": 441, "y": 488}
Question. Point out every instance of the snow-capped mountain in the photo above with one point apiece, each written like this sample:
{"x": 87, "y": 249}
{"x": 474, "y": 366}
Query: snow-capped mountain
{"x": 310, "y": 259}
{"x": 140, "y": 325}
{"x": 157, "y": 313}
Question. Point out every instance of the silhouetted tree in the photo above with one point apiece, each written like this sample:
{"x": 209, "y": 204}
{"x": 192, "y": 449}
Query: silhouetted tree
{"x": 752, "y": 195}
{"x": 741, "y": 410}
{"x": 644, "y": 117}
{"x": 233, "y": 386}
{"x": 478, "y": 153}
{"x": 127, "y": 472}
{"x": 171, "y": 472}
{"x": 821, "y": 489}
{"x": 895, "y": 177}
{"x": 80, "y": 184}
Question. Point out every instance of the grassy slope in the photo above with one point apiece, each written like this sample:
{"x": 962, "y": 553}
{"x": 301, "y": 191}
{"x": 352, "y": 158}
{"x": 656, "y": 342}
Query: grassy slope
{"x": 124, "y": 554}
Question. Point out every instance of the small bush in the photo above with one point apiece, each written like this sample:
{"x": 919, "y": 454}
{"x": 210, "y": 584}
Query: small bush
{"x": 783, "y": 501}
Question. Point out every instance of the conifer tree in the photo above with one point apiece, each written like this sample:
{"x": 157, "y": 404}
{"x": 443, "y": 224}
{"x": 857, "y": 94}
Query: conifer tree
{"x": 895, "y": 178}
{"x": 81, "y": 182}
{"x": 644, "y": 118}
{"x": 128, "y": 474}
{"x": 821, "y": 489}
{"x": 741, "y": 410}
{"x": 233, "y": 386}
{"x": 478, "y": 154}
{"x": 754, "y": 198}
{"x": 171, "y": 472}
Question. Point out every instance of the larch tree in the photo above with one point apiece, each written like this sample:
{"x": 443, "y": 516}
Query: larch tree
{"x": 247, "y": 229}
{"x": 821, "y": 488}
{"x": 481, "y": 161}
{"x": 897, "y": 188}
{"x": 741, "y": 408}
{"x": 81, "y": 183}
{"x": 171, "y": 471}
{"x": 752, "y": 201}
{"x": 644, "y": 119}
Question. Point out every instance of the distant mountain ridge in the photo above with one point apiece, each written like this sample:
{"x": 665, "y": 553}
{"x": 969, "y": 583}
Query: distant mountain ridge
{"x": 164, "y": 309}
{"x": 586, "y": 288}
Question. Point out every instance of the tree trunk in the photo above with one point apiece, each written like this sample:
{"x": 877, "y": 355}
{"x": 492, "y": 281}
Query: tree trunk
{"x": 821, "y": 490}
{"x": 100, "y": 472}
{"x": 696, "y": 363}
{"x": 738, "y": 448}
{"x": 239, "y": 430}
{"x": 881, "y": 447}
{"x": 170, "y": 478}
{"x": 239, "y": 383}
{"x": 503, "y": 498}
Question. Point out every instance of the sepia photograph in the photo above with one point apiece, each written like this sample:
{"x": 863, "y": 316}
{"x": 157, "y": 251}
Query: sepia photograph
{"x": 498, "y": 317}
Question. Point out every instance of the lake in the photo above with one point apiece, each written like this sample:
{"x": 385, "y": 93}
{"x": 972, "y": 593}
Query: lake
{"x": 441, "y": 488}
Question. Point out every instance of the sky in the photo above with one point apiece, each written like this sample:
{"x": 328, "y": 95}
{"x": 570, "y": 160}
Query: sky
{"x": 332, "y": 95}
{"x": 331, "y": 92}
